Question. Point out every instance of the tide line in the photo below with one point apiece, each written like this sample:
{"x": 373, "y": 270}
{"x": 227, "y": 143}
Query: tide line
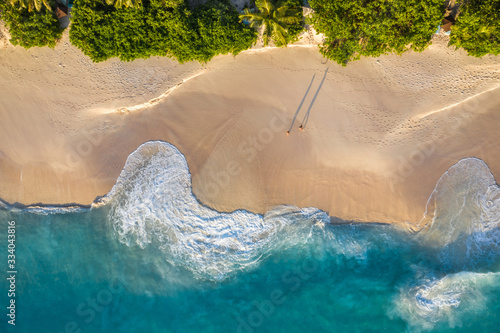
{"x": 420, "y": 117}
{"x": 157, "y": 100}
{"x": 151, "y": 102}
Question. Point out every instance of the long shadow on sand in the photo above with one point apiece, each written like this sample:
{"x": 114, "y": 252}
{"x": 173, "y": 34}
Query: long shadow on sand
{"x": 306, "y": 117}
{"x": 301, "y": 103}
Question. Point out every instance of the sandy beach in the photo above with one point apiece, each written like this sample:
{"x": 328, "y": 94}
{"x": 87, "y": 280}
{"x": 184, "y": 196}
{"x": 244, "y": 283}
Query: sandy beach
{"x": 378, "y": 134}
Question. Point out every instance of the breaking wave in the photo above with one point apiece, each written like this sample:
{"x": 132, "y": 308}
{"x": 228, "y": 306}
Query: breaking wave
{"x": 462, "y": 233}
{"x": 152, "y": 205}
{"x": 464, "y": 223}
{"x": 454, "y": 259}
{"x": 430, "y": 301}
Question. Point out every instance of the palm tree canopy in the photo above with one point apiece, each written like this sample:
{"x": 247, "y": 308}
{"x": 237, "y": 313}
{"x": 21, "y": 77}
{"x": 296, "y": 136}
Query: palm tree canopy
{"x": 126, "y": 3}
{"x": 32, "y": 4}
{"x": 273, "y": 18}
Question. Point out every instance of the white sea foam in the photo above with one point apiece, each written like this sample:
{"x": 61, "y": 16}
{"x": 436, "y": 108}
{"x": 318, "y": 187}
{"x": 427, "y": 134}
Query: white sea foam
{"x": 43, "y": 210}
{"x": 465, "y": 211}
{"x": 152, "y": 205}
{"x": 463, "y": 230}
{"x": 431, "y": 301}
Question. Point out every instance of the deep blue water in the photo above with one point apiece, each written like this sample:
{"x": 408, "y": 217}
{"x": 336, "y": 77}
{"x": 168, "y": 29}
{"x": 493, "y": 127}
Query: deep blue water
{"x": 163, "y": 264}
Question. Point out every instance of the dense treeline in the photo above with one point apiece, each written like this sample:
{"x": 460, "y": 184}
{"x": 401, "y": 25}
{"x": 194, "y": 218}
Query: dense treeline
{"x": 131, "y": 29}
{"x": 158, "y": 28}
{"x": 477, "y": 29}
{"x": 355, "y": 28}
{"x": 29, "y": 26}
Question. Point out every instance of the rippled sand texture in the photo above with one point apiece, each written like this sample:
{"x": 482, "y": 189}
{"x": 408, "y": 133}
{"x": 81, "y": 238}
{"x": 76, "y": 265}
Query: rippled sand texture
{"x": 378, "y": 134}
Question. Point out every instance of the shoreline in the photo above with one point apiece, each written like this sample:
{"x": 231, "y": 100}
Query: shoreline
{"x": 125, "y": 175}
{"x": 73, "y": 207}
{"x": 370, "y": 151}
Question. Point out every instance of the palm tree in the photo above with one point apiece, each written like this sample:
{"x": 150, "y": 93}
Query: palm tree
{"x": 274, "y": 18}
{"x": 31, "y": 4}
{"x": 126, "y": 3}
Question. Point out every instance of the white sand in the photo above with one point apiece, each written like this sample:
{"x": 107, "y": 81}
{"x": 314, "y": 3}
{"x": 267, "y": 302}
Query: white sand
{"x": 4, "y": 36}
{"x": 372, "y": 150}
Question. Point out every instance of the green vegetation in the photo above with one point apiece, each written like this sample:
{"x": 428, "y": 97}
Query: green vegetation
{"x": 131, "y": 29}
{"x": 219, "y": 31}
{"x": 355, "y": 28}
{"x": 280, "y": 21}
{"x": 31, "y": 5}
{"x": 124, "y": 3}
{"x": 29, "y": 28}
{"x": 477, "y": 29}
{"x": 158, "y": 28}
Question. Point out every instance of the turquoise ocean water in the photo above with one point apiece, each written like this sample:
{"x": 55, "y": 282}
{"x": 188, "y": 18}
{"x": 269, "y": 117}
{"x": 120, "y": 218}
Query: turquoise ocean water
{"x": 150, "y": 258}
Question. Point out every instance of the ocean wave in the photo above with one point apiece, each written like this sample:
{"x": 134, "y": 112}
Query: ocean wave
{"x": 152, "y": 204}
{"x": 461, "y": 230}
{"x": 432, "y": 301}
{"x": 464, "y": 211}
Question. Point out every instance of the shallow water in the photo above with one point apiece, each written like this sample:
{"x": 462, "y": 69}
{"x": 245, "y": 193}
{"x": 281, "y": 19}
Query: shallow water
{"x": 150, "y": 258}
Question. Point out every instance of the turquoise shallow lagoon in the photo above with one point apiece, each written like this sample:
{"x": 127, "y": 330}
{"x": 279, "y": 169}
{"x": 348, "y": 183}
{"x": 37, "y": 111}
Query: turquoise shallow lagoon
{"x": 152, "y": 259}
